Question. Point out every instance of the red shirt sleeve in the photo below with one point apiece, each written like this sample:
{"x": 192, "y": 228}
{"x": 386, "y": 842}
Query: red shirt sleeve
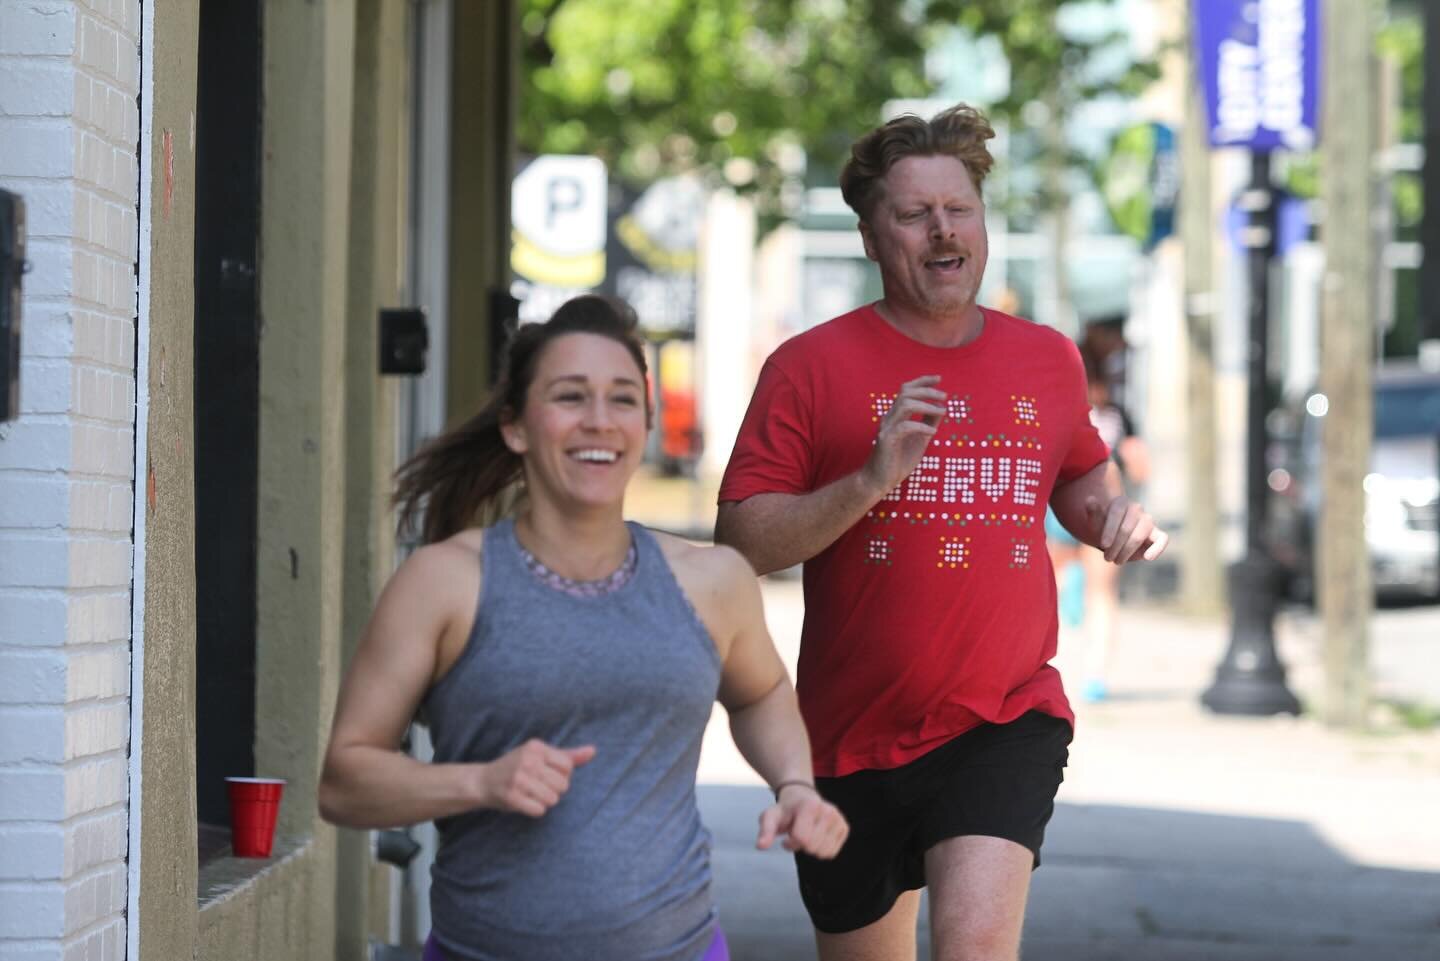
{"x": 774, "y": 450}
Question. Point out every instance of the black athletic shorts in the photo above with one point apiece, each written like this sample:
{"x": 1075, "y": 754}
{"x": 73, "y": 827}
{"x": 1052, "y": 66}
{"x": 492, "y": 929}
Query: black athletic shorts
{"x": 997, "y": 780}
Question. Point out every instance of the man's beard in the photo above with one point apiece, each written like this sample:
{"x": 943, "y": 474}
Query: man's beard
{"x": 948, "y": 300}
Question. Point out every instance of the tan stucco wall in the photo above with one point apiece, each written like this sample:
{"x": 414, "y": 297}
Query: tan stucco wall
{"x": 482, "y": 166}
{"x": 307, "y": 88}
{"x": 333, "y": 216}
{"x": 167, "y": 912}
{"x": 263, "y": 916}
{"x": 379, "y": 196}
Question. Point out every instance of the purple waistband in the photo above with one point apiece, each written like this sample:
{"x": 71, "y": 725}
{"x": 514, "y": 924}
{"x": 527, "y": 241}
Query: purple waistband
{"x": 719, "y": 950}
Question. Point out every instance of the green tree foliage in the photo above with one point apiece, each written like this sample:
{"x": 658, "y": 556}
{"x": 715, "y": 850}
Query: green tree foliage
{"x": 1402, "y": 41}
{"x": 1399, "y": 42}
{"x": 672, "y": 85}
{"x": 740, "y": 87}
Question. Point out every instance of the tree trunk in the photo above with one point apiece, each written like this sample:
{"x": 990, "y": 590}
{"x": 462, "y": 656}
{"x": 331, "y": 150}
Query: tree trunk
{"x": 1346, "y": 359}
{"x": 1200, "y": 570}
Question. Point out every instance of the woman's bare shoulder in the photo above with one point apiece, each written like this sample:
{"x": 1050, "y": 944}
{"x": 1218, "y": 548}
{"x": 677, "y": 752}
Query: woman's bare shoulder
{"x": 444, "y": 570}
{"x": 703, "y": 568}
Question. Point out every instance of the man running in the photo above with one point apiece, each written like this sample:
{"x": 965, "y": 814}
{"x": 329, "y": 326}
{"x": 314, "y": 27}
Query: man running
{"x": 905, "y": 453}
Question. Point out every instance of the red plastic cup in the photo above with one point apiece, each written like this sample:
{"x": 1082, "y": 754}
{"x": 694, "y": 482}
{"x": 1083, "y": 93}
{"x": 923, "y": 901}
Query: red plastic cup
{"x": 254, "y": 808}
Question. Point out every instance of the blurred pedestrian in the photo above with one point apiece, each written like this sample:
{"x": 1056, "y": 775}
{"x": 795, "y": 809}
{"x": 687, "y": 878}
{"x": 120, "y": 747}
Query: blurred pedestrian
{"x": 1088, "y": 586}
{"x": 1103, "y": 342}
{"x": 566, "y": 662}
{"x": 905, "y": 452}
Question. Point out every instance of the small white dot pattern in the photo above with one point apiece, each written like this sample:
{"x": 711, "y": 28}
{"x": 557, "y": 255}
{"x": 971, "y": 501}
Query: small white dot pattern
{"x": 1027, "y": 411}
{"x": 954, "y": 552}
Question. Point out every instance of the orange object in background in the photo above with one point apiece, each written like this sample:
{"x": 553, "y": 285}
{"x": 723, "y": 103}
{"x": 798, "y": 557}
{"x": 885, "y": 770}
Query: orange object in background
{"x": 681, "y": 437}
{"x": 679, "y": 433}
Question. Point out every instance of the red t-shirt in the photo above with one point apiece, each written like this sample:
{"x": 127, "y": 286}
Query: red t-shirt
{"x": 937, "y": 610}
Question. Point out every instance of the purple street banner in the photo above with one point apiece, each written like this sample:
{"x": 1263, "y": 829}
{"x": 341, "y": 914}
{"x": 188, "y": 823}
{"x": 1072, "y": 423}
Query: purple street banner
{"x": 1260, "y": 62}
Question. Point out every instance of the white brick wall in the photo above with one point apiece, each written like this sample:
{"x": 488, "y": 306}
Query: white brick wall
{"x": 69, "y": 126}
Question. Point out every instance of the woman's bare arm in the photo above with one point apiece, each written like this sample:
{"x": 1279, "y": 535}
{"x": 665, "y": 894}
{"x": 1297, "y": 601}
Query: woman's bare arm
{"x": 756, "y": 691}
{"x": 367, "y": 780}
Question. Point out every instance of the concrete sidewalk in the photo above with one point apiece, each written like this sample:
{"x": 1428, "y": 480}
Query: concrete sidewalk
{"x": 1178, "y": 834}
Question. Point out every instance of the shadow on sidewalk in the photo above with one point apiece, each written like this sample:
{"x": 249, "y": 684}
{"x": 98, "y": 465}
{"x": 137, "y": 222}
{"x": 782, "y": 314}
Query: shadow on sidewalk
{"x": 1130, "y": 884}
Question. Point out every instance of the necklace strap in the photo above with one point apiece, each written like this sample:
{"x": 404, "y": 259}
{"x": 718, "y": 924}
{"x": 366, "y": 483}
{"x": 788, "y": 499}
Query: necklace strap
{"x": 608, "y": 584}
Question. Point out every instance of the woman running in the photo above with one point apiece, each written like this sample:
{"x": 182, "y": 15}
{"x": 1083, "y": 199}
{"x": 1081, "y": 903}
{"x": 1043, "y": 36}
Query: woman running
{"x": 566, "y": 662}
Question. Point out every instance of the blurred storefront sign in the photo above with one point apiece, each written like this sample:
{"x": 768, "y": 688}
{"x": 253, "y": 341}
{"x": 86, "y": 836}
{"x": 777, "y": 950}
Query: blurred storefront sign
{"x": 574, "y": 231}
{"x": 1260, "y": 61}
{"x": 558, "y": 218}
{"x": 1140, "y": 182}
{"x": 654, "y": 251}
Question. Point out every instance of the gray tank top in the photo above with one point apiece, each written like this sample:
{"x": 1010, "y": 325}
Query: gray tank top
{"x": 619, "y": 870}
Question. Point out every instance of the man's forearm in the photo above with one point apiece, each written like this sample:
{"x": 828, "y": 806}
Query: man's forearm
{"x": 776, "y": 531}
{"x": 1103, "y": 484}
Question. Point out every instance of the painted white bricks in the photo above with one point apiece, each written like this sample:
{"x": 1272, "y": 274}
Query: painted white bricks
{"x": 32, "y": 853}
{"x": 92, "y": 843}
{"x": 102, "y": 450}
{"x": 31, "y": 618}
{"x": 37, "y": 147}
{"x": 35, "y": 443}
{"x": 95, "y": 897}
{"x": 96, "y": 729}
{"x": 31, "y": 677}
{"x": 33, "y": 911}
{"x": 92, "y": 619}
{"x": 47, "y": 386}
{"x": 34, "y": 561}
{"x": 32, "y": 735}
{"x": 69, "y": 78}
{"x": 30, "y": 951}
{"x": 106, "y": 941}
{"x": 52, "y": 270}
{"x": 93, "y": 785}
{"x": 29, "y": 794}
{"x": 42, "y": 88}
{"x": 49, "y": 211}
{"x": 98, "y": 674}
{"x": 37, "y": 501}
{"x": 100, "y": 506}
{"x": 37, "y": 29}
{"x": 49, "y": 331}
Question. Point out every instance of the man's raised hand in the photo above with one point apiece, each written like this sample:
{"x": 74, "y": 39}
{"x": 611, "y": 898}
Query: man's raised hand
{"x": 1126, "y": 532}
{"x": 905, "y": 432}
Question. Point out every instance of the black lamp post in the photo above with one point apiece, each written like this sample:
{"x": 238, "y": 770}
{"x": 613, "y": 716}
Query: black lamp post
{"x": 1250, "y": 679}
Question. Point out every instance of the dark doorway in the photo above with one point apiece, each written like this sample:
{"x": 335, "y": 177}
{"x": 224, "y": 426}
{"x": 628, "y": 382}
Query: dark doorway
{"x": 227, "y": 402}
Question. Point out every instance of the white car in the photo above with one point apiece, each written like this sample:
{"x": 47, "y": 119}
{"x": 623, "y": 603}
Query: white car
{"x": 1402, "y": 487}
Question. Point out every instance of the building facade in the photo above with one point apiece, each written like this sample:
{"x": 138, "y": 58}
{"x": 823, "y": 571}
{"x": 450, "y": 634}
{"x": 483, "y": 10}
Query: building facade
{"x": 220, "y": 199}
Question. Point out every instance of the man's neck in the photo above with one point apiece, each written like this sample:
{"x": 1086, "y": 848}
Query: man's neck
{"x": 934, "y": 330}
